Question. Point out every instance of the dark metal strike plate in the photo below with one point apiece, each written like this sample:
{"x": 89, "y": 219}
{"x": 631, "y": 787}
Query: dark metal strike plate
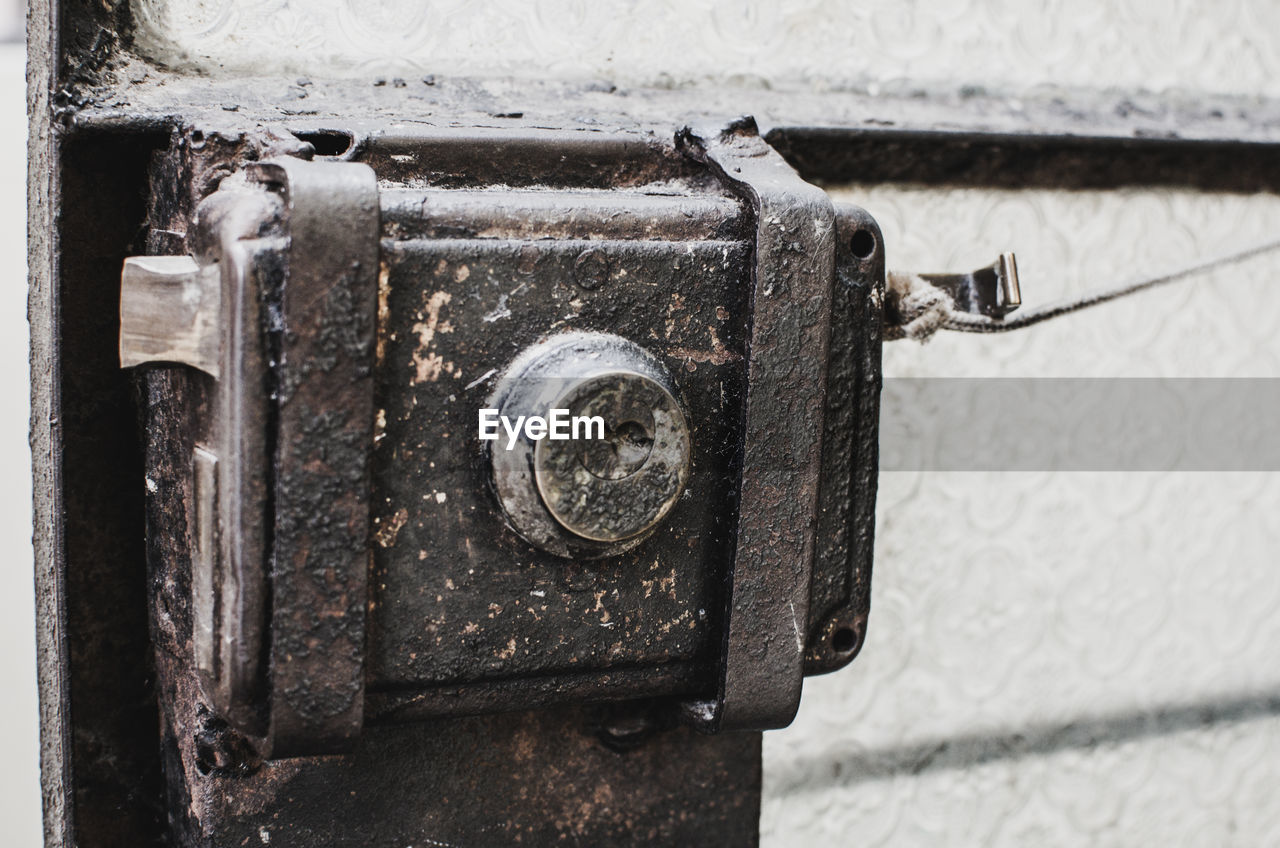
{"x": 372, "y": 559}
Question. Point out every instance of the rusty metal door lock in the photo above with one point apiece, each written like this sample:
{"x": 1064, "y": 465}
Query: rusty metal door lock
{"x": 329, "y": 332}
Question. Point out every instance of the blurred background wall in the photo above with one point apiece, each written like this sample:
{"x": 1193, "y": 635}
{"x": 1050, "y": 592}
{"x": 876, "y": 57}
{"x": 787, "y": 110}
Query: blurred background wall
{"x": 1054, "y": 658}
{"x": 1134, "y": 44}
{"x": 19, "y": 719}
{"x": 1061, "y": 658}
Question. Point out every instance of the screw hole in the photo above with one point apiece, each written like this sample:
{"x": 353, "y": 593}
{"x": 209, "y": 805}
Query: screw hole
{"x": 863, "y": 244}
{"x": 206, "y": 758}
{"x": 328, "y": 142}
{"x": 844, "y": 640}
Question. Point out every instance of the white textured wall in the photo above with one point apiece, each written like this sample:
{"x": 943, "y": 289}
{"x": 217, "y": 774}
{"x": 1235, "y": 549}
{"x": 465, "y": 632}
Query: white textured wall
{"x": 1218, "y": 45}
{"x": 1062, "y": 658}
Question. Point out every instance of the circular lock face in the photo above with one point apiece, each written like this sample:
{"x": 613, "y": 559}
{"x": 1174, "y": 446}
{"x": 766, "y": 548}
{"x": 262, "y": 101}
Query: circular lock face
{"x": 617, "y": 463}
{"x": 621, "y": 482}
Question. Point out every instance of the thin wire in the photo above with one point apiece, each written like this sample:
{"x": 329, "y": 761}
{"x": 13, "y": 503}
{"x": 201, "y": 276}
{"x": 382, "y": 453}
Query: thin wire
{"x": 966, "y": 323}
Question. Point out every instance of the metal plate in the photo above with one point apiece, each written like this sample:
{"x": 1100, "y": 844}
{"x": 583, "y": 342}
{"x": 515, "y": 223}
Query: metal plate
{"x": 467, "y": 615}
{"x": 792, "y": 277}
{"x": 324, "y": 427}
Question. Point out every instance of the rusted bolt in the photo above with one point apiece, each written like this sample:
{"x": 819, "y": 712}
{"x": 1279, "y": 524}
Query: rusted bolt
{"x": 626, "y": 725}
{"x": 591, "y": 270}
{"x": 620, "y": 473}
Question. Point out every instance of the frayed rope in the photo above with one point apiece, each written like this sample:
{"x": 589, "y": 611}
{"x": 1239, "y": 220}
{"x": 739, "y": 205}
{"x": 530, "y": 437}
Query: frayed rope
{"x": 916, "y": 309}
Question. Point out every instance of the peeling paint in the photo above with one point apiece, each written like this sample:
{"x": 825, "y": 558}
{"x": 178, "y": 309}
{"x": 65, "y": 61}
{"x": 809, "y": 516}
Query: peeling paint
{"x": 427, "y": 364}
{"x": 385, "y": 533}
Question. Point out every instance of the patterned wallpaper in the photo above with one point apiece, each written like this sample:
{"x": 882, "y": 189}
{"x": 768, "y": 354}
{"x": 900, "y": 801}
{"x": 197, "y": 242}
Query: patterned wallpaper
{"x": 1062, "y": 658}
{"x": 1225, "y": 46}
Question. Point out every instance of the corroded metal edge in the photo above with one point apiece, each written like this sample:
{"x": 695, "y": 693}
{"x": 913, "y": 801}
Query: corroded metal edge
{"x": 840, "y": 595}
{"x": 43, "y": 197}
{"x": 767, "y": 610}
{"x": 325, "y": 420}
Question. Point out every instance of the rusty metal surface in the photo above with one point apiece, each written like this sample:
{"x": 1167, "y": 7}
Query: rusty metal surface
{"x": 1102, "y": 138}
{"x": 458, "y": 269}
{"x": 171, "y": 398}
{"x": 576, "y": 776}
{"x": 234, "y": 235}
{"x": 277, "y": 570}
{"x": 600, "y": 776}
{"x": 679, "y": 285}
{"x": 542, "y": 778}
{"x": 840, "y": 592}
{"x": 1022, "y": 156}
{"x": 323, "y": 431}
{"x": 99, "y": 712}
{"x": 215, "y": 774}
{"x": 794, "y": 268}
{"x": 467, "y": 616}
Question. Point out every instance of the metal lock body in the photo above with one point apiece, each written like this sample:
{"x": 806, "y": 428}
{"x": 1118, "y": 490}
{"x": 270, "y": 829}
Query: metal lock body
{"x": 717, "y": 314}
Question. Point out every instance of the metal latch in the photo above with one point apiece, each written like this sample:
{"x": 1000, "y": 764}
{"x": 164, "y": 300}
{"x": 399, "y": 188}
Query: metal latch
{"x": 280, "y": 470}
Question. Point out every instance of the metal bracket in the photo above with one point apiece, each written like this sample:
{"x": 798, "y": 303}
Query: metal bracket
{"x": 992, "y": 291}
{"x": 324, "y": 436}
{"x": 762, "y": 663}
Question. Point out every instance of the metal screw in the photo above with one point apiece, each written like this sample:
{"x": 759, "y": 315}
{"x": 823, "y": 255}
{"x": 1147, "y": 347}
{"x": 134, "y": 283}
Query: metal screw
{"x": 591, "y": 270}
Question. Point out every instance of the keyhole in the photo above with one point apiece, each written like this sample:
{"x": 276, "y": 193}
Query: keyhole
{"x": 625, "y": 447}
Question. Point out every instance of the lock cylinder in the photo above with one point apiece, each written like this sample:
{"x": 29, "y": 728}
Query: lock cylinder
{"x": 611, "y": 455}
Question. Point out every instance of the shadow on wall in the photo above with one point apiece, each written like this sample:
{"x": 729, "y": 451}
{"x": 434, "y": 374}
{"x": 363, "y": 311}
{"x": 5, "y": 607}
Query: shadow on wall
{"x": 964, "y": 751}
